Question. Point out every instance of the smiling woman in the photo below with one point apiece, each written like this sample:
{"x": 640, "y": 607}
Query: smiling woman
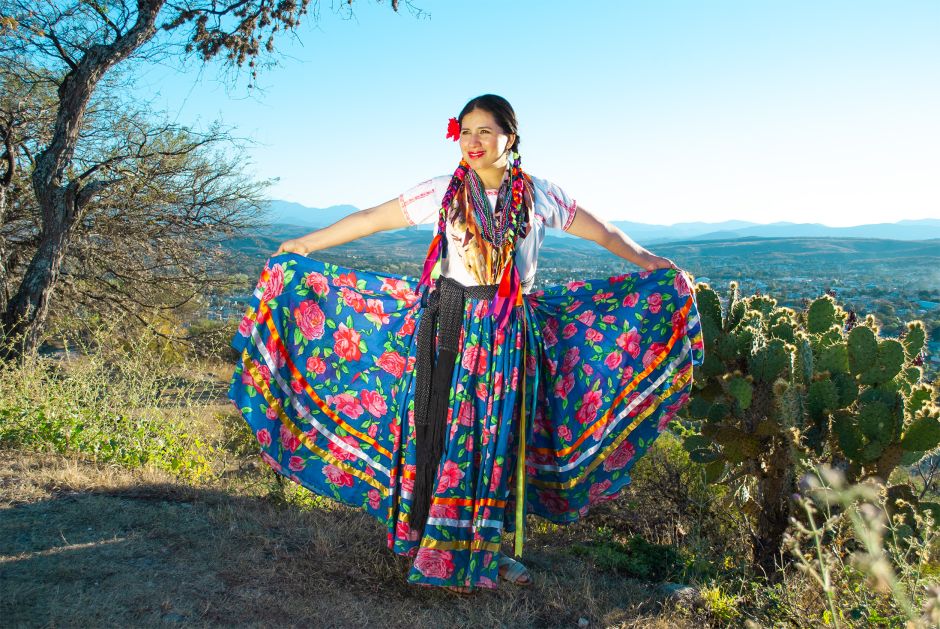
{"x": 451, "y": 406}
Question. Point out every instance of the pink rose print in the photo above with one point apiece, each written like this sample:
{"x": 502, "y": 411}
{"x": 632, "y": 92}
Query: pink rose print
{"x": 609, "y": 319}
{"x": 375, "y": 312}
{"x": 288, "y": 440}
{"x": 495, "y": 477}
{"x": 577, "y": 303}
{"x": 347, "y": 405}
{"x": 665, "y": 418}
{"x": 316, "y": 365}
{"x": 318, "y": 283}
{"x": 498, "y": 383}
{"x": 337, "y": 476}
{"x": 466, "y": 414}
{"x": 407, "y": 326}
{"x": 630, "y": 342}
{"x": 271, "y": 413}
{"x": 618, "y": 278}
{"x": 393, "y": 363}
{"x": 681, "y": 284}
{"x": 450, "y": 476}
{"x": 402, "y": 530}
{"x": 244, "y": 328}
{"x": 296, "y": 464}
{"x": 619, "y": 457}
{"x": 593, "y": 335}
{"x": 574, "y": 285}
{"x": 569, "y": 330}
{"x": 613, "y": 359}
{"x": 549, "y": 332}
{"x": 437, "y": 564}
{"x": 551, "y": 366}
{"x": 375, "y": 498}
{"x": 587, "y": 317}
{"x": 374, "y": 402}
{"x": 267, "y": 458}
{"x": 587, "y": 369}
{"x": 599, "y": 297}
{"x": 644, "y": 404}
{"x": 563, "y": 385}
{"x": 264, "y": 437}
{"x": 474, "y": 359}
{"x": 275, "y": 283}
{"x": 572, "y": 356}
{"x": 530, "y": 365}
{"x": 353, "y": 299}
{"x": 564, "y": 432}
{"x": 411, "y": 364}
{"x": 347, "y": 343}
{"x": 296, "y": 386}
{"x": 345, "y": 279}
{"x": 482, "y": 391}
{"x": 655, "y": 302}
{"x": 631, "y": 300}
{"x": 627, "y": 374}
{"x": 678, "y": 321}
{"x": 399, "y": 289}
{"x": 589, "y": 406}
{"x": 310, "y": 319}
{"x": 263, "y": 370}
{"x": 655, "y": 349}
{"x": 373, "y": 430}
{"x": 274, "y": 350}
{"x": 341, "y": 453}
{"x": 552, "y": 501}
{"x": 596, "y": 492}
{"x": 444, "y": 511}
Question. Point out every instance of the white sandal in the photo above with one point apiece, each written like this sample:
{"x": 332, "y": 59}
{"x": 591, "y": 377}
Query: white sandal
{"x": 513, "y": 571}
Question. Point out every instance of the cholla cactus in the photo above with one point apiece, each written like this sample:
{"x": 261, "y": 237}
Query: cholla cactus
{"x": 779, "y": 387}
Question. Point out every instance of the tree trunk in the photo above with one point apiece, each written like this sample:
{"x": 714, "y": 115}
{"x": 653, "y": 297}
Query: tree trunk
{"x": 4, "y": 257}
{"x": 26, "y": 313}
{"x": 775, "y": 486}
{"x": 61, "y": 201}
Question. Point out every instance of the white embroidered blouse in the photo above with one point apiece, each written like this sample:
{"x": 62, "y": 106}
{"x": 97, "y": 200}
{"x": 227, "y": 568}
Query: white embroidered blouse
{"x": 553, "y": 208}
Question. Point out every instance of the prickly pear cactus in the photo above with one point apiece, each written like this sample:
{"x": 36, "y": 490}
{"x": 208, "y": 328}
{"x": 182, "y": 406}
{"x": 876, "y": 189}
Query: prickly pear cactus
{"x": 780, "y": 389}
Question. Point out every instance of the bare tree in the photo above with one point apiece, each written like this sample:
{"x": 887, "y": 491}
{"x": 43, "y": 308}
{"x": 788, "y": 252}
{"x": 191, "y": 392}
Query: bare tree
{"x": 152, "y": 243}
{"x": 78, "y": 42}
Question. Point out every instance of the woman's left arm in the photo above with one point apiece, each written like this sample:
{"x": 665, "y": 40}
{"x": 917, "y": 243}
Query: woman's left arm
{"x": 586, "y": 225}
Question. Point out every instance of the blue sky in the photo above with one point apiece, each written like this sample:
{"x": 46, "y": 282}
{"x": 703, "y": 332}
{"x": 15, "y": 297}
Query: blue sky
{"x": 657, "y": 112}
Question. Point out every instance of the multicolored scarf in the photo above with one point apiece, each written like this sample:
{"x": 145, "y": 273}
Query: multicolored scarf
{"x": 494, "y": 233}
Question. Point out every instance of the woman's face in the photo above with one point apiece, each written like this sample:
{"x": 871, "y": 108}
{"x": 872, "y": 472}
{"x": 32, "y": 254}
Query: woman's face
{"x": 482, "y": 141}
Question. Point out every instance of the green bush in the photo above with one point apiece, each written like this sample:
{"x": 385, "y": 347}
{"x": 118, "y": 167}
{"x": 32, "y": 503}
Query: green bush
{"x": 126, "y": 402}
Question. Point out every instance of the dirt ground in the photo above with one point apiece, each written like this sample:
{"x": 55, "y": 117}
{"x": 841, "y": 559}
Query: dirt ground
{"x": 90, "y": 545}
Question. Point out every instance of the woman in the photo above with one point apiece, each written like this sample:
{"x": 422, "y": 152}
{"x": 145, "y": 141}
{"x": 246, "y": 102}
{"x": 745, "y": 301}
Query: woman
{"x": 435, "y": 405}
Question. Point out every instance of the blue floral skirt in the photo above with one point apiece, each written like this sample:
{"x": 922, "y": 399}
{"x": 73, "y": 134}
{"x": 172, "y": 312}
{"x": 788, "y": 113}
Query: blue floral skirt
{"x": 582, "y": 379}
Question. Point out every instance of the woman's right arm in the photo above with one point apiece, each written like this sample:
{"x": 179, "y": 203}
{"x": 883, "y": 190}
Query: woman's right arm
{"x": 357, "y": 225}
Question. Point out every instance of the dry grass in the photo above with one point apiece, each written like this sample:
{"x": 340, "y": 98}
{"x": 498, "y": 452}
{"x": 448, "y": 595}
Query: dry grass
{"x": 83, "y": 544}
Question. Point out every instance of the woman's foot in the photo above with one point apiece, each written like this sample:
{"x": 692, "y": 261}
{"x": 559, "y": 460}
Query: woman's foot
{"x": 513, "y": 571}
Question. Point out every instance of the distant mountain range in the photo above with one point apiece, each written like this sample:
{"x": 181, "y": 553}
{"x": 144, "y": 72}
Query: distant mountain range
{"x": 289, "y": 213}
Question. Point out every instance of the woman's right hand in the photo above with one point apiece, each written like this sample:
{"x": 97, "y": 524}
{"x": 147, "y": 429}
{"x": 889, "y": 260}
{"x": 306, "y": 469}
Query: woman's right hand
{"x": 294, "y": 245}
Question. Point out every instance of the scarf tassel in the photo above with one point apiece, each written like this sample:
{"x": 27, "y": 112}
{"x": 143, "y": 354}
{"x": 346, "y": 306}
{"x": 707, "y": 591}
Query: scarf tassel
{"x": 432, "y": 263}
{"x": 508, "y": 295}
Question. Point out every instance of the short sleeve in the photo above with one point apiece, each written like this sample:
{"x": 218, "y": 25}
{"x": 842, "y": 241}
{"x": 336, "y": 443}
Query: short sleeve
{"x": 553, "y": 205}
{"x": 421, "y": 204}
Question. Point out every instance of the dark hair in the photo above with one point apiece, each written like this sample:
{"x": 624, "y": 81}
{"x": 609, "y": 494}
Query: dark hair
{"x": 500, "y": 108}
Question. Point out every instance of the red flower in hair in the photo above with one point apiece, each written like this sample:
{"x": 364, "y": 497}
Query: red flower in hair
{"x": 453, "y": 129}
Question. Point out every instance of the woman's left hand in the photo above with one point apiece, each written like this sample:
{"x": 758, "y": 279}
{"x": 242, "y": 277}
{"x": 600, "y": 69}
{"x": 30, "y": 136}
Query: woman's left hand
{"x": 651, "y": 262}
